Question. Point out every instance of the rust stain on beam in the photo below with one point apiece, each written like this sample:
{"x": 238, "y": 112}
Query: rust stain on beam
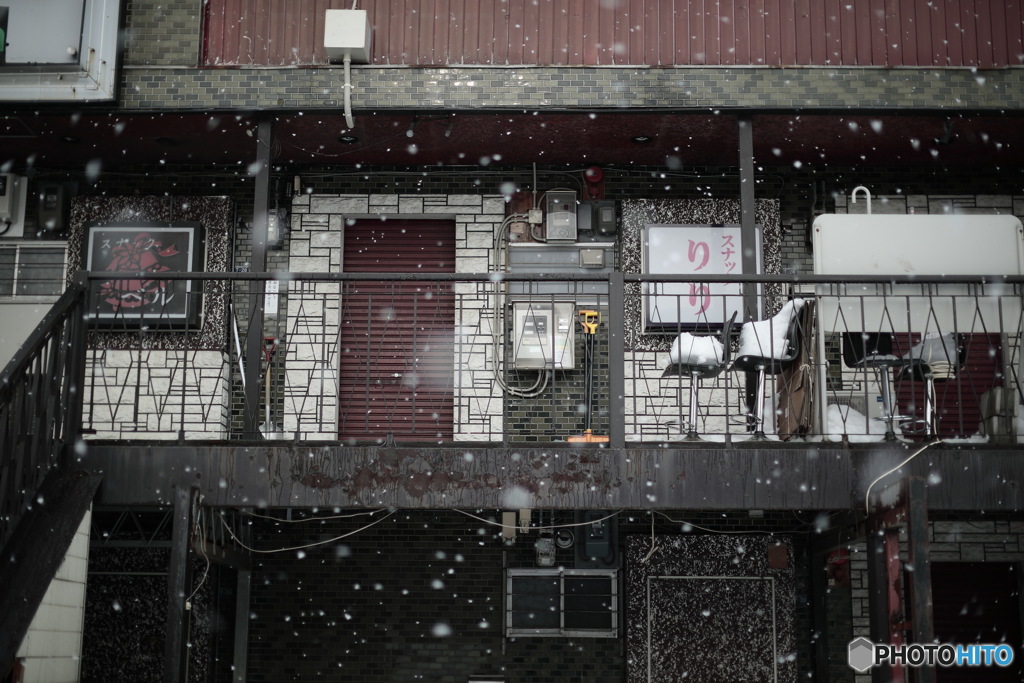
{"x": 763, "y": 476}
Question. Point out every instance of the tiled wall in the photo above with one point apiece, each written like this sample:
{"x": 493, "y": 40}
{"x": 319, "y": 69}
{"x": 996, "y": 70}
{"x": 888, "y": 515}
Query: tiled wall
{"x": 162, "y": 33}
{"x": 152, "y": 394}
{"x": 315, "y": 246}
{"x": 52, "y": 648}
{"x": 565, "y": 87}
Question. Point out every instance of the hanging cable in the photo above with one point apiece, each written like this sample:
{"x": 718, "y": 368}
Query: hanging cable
{"x": 538, "y": 528}
{"x": 308, "y": 545}
{"x": 313, "y": 519}
{"x": 498, "y": 324}
{"x": 919, "y": 451}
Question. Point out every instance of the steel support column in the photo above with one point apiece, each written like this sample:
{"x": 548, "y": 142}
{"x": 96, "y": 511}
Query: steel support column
{"x": 616, "y": 361}
{"x": 921, "y": 613}
{"x": 748, "y": 236}
{"x": 178, "y": 580}
{"x": 242, "y": 591}
{"x": 258, "y": 264}
{"x": 819, "y": 613}
{"x": 885, "y": 587}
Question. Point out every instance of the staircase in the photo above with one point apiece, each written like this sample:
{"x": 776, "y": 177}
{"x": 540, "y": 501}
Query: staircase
{"x": 44, "y": 494}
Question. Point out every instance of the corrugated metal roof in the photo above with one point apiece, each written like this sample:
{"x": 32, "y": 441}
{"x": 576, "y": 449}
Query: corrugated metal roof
{"x": 980, "y": 33}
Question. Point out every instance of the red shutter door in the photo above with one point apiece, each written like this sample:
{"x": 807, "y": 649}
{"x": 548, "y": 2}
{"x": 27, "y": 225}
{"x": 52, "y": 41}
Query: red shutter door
{"x": 958, "y": 399}
{"x": 397, "y": 361}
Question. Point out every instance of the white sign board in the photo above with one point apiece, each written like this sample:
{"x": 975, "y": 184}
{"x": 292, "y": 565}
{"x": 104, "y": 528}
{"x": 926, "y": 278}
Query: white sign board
{"x": 693, "y": 250}
{"x": 873, "y": 244}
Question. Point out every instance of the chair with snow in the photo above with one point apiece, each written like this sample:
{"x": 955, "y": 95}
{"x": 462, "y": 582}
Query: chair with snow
{"x": 936, "y": 357}
{"x": 768, "y": 347}
{"x": 699, "y": 357}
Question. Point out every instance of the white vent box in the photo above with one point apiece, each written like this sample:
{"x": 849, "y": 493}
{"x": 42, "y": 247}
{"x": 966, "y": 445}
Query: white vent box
{"x": 560, "y": 224}
{"x": 347, "y": 32}
{"x": 13, "y": 195}
{"x": 544, "y": 335}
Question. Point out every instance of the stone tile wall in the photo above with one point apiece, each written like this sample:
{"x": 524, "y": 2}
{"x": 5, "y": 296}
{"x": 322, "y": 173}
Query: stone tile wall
{"x": 313, "y": 309}
{"x": 154, "y": 394}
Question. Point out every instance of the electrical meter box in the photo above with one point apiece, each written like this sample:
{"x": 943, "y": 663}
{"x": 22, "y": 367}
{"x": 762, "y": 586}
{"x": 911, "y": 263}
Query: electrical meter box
{"x": 13, "y": 195}
{"x": 560, "y": 216}
{"x": 348, "y": 32}
{"x": 543, "y": 335}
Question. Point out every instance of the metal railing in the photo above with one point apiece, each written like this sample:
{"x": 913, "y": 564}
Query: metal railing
{"x": 447, "y": 359}
{"x": 40, "y": 406}
{"x": 441, "y": 359}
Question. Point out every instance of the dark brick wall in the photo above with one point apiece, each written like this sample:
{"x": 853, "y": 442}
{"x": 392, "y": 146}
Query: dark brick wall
{"x": 560, "y": 412}
{"x": 368, "y": 607}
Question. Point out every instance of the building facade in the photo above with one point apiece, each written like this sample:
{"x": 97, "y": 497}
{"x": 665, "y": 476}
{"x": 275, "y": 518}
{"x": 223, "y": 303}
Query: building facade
{"x": 331, "y": 427}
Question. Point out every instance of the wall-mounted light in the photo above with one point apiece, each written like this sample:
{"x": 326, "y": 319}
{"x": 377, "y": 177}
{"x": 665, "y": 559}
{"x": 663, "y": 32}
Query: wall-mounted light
{"x": 642, "y": 139}
{"x": 348, "y": 139}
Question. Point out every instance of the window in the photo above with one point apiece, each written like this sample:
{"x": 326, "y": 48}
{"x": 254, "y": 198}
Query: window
{"x": 568, "y": 602}
{"x": 32, "y": 271}
{"x": 74, "y": 58}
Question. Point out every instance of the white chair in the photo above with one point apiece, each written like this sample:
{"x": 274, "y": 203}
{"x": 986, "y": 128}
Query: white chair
{"x": 700, "y": 357}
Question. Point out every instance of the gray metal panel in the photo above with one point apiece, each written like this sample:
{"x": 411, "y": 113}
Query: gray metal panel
{"x": 553, "y": 259}
{"x": 705, "y": 476}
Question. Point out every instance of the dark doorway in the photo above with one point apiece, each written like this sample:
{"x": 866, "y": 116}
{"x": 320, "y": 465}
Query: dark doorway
{"x": 978, "y": 602}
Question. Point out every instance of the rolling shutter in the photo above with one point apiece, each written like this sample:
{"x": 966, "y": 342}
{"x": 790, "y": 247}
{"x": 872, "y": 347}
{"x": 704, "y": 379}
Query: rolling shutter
{"x": 397, "y": 361}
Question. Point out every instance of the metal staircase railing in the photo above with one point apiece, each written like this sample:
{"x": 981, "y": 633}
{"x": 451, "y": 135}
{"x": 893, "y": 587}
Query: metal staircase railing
{"x": 41, "y": 406}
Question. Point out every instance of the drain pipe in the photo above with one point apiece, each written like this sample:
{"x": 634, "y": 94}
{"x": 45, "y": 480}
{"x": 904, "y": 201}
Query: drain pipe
{"x": 349, "y": 121}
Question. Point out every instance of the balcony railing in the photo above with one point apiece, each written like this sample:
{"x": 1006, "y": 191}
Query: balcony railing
{"x": 40, "y": 407}
{"x": 446, "y": 359}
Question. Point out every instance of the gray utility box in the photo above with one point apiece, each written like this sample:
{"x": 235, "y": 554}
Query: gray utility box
{"x": 584, "y": 258}
{"x": 544, "y": 335}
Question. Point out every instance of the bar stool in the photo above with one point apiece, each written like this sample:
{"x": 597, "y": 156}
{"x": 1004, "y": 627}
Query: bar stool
{"x": 934, "y": 358}
{"x": 873, "y": 351}
{"x": 768, "y": 347}
{"x": 700, "y": 357}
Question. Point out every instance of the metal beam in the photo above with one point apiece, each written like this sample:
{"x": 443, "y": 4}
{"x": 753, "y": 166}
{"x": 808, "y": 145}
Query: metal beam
{"x": 819, "y": 613}
{"x": 616, "y": 371}
{"x": 748, "y": 236}
{"x": 243, "y": 587}
{"x": 258, "y": 264}
{"x": 921, "y": 612}
{"x": 175, "y": 652}
{"x": 702, "y": 476}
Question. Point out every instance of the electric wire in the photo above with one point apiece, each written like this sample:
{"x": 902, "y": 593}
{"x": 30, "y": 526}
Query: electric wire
{"x": 538, "y": 528}
{"x": 919, "y": 451}
{"x": 307, "y": 545}
{"x": 312, "y": 519}
{"x": 498, "y": 324}
{"x": 720, "y": 531}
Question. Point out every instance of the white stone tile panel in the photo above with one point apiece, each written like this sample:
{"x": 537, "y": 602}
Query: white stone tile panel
{"x": 344, "y": 204}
